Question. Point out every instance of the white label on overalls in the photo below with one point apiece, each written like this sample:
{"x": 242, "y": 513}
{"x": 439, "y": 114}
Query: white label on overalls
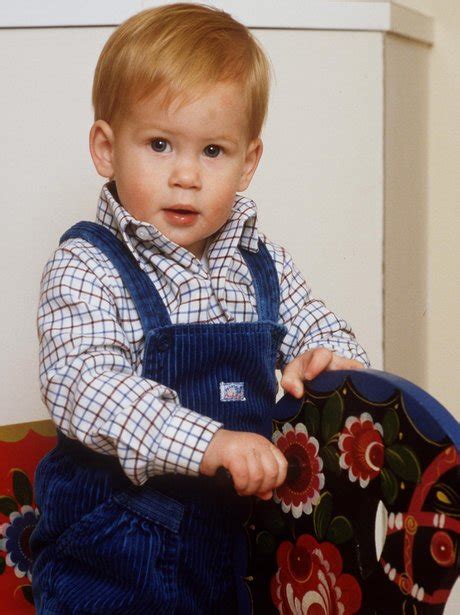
{"x": 232, "y": 391}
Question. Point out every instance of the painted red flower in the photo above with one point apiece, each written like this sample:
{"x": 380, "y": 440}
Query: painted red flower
{"x": 301, "y": 489}
{"x": 309, "y": 580}
{"x": 362, "y": 450}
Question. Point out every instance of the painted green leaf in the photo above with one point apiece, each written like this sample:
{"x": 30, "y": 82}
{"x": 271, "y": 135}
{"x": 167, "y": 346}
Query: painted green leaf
{"x": 390, "y": 424}
{"x": 266, "y": 543}
{"x": 22, "y": 488}
{"x": 322, "y": 515}
{"x": 340, "y": 530}
{"x": 7, "y": 505}
{"x": 27, "y": 593}
{"x": 311, "y": 418}
{"x": 2, "y": 564}
{"x": 403, "y": 462}
{"x": 389, "y": 485}
{"x": 331, "y": 420}
{"x": 330, "y": 456}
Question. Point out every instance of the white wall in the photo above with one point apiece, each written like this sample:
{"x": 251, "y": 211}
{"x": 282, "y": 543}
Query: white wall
{"x": 46, "y": 114}
{"x": 325, "y": 122}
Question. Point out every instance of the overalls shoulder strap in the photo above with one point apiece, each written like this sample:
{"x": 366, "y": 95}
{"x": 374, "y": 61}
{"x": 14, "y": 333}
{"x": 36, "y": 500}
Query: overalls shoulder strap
{"x": 265, "y": 280}
{"x": 150, "y": 306}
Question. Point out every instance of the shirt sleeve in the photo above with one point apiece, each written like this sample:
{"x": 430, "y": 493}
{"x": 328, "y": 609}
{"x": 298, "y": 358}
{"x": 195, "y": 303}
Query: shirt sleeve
{"x": 310, "y": 324}
{"x": 89, "y": 383}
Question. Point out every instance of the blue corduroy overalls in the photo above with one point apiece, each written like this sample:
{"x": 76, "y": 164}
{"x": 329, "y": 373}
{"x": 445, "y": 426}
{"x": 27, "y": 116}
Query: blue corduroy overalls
{"x": 176, "y": 544}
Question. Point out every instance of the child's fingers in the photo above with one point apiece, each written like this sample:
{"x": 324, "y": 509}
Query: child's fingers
{"x": 266, "y": 495}
{"x": 292, "y": 380}
{"x": 305, "y": 367}
{"x": 293, "y": 385}
{"x": 239, "y": 470}
{"x": 339, "y": 362}
{"x": 264, "y": 473}
{"x": 282, "y": 466}
{"x": 257, "y": 468}
{"x": 271, "y": 469}
{"x": 277, "y": 477}
{"x": 255, "y": 473}
{"x": 320, "y": 359}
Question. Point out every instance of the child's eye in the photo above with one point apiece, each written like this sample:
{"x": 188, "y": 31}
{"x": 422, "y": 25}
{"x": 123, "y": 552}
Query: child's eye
{"x": 212, "y": 151}
{"x": 160, "y": 145}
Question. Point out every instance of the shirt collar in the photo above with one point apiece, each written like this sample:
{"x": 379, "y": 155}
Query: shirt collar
{"x": 240, "y": 229}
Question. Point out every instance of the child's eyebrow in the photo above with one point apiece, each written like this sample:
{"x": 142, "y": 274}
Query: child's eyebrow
{"x": 220, "y": 138}
{"x": 152, "y": 128}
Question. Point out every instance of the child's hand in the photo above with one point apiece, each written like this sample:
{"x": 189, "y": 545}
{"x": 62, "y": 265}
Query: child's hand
{"x": 256, "y": 465}
{"x": 309, "y": 364}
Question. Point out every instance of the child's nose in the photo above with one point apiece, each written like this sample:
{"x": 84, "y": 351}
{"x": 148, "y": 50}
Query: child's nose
{"x": 185, "y": 173}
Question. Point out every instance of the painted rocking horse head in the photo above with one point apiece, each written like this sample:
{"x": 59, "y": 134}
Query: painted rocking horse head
{"x": 359, "y": 442}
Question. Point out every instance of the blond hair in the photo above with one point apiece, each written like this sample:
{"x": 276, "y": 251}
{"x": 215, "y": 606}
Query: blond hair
{"x": 178, "y": 51}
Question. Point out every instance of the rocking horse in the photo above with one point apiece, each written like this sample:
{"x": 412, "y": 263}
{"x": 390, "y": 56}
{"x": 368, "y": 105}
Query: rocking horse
{"x": 362, "y": 447}
{"x": 357, "y": 443}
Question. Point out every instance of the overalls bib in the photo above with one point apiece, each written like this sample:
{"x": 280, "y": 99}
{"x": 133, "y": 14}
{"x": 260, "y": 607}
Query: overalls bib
{"x": 177, "y": 544}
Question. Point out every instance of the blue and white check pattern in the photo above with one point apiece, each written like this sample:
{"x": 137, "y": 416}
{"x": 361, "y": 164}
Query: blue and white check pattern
{"x": 91, "y": 340}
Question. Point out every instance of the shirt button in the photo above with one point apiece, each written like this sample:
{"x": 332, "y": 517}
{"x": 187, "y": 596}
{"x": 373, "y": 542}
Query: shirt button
{"x": 143, "y": 233}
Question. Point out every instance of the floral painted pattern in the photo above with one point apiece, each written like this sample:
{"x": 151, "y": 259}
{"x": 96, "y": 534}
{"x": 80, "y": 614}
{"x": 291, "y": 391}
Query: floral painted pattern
{"x": 21, "y": 447}
{"x": 347, "y": 455}
{"x": 361, "y": 448}
{"x": 309, "y": 580}
{"x": 15, "y": 533}
{"x": 14, "y": 540}
{"x": 301, "y": 490}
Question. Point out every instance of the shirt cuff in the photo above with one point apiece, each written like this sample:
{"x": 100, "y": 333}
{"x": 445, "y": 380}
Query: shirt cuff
{"x": 184, "y": 441}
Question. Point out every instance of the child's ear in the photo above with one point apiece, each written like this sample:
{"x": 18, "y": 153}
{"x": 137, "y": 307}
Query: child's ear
{"x": 253, "y": 154}
{"x": 101, "y": 142}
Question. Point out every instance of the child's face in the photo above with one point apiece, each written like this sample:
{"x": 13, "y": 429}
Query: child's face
{"x": 179, "y": 168}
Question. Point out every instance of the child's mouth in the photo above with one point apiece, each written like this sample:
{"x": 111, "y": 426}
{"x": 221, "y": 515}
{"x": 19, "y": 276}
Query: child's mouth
{"x": 181, "y": 216}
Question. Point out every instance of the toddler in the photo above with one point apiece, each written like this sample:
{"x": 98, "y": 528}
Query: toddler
{"x": 161, "y": 325}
